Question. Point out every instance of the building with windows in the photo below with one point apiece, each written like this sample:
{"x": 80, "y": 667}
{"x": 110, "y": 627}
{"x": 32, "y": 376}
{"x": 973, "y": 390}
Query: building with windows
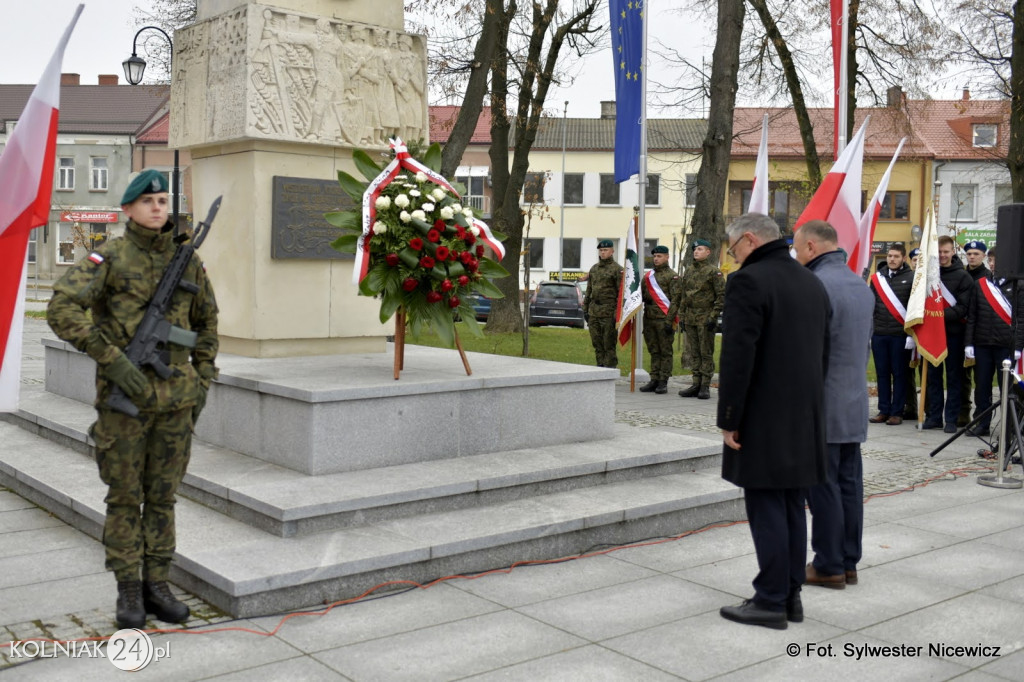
{"x": 95, "y": 140}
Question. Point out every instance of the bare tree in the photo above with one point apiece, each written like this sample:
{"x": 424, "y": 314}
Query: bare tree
{"x": 169, "y": 15}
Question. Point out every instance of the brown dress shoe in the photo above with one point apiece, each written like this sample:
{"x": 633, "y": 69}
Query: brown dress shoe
{"x": 879, "y": 418}
{"x": 851, "y": 577}
{"x": 835, "y": 582}
{"x": 894, "y": 420}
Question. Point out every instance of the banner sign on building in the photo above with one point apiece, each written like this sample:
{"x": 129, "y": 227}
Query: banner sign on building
{"x": 88, "y": 216}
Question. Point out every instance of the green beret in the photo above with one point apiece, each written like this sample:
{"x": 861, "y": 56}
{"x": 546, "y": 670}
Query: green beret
{"x": 660, "y": 249}
{"x": 700, "y": 242}
{"x": 148, "y": 181}
{"x": 605, "y": 244}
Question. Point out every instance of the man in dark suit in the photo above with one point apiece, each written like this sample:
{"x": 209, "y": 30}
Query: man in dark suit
{"x": 771, "y": 409}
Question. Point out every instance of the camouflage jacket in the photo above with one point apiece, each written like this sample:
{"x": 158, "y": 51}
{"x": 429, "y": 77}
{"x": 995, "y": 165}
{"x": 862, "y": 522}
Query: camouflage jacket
{"x": 603, "y": 282}
{"x": 116, "y": 283}
{"x": 670, "y": 283}
{"x": 703, "y": 293}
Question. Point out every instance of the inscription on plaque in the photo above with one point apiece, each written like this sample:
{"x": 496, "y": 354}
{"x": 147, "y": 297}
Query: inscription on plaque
{"x": 298, "y": 228}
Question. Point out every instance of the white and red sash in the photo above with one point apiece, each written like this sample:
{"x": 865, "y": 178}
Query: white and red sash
{"x": 947, "y": 294}
{"x": 996, "y": 299}
{"x": 656, "y": 291}
{"x": 888, "y": 296}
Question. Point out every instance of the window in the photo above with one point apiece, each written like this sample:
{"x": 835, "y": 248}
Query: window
{"x": 571, "y": 253}
{"x": 33, "y": 235}
{"x": 609, "y": 190}
{"x": 653, "y": 190}
{"x": 572, "y": 189}
{"x": 984, "y": 134}
{"x": 691, "y": 189}
{"x": 536, "y": 252}
{"x": 68, "y": 235}
{"x": 895, "y": 206}
{"x": 778, "y": 199}
{"x": 98, "y": 173}
{"x": 961, "y": 202}
{"x": 97, "y": 234}
{"x": 1004, "y": 195}
{"x": 533, "y": 188}
{"x": 474, "y": 196}
{"x": 66, "y": 173}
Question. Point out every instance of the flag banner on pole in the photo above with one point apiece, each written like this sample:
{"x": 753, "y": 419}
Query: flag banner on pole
{"x": 838, "y": 198}
{"x": 861, "y": 254}
{"x": 926, "y": 320}
{"x": 630, "y": 296}
{"x": 837, "y": 10}
{"x": 627, "y": 51}
{"x": 26, "y": 179}
{"x": 759, "y": 192}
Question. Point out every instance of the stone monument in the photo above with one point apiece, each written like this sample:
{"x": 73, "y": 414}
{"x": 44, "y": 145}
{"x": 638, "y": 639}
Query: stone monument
{"x": 271, "y": 101}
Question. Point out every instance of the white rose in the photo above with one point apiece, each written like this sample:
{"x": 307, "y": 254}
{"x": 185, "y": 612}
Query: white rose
{"x": 404, "y": 216}
{"x": 474, "y": 230}
{"x": 468, "y": 213}
{"x": 419, "y": 215}
{"x": 379, "y": 227}
{"x": 428, "y": 207}
{"x": 383, "y": 203}
{"x": 447, "y": 213}
{"x": 457, "y": 207}
{"x": 421, "y": 176}
{"x": 438, "y": 194}
{"x": 414, "y": 192}
{"x": 401, "y": 201}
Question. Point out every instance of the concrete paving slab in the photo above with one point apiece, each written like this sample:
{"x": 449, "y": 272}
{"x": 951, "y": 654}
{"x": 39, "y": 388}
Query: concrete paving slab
{"x": 27, "y": 519}
{"x": 1009, "y": 667}
{"x": 971, "y": 565}
{"x": 908, "y": 504}
{"x": 42, "y": 540}
{"x": 298, "y": 669}
{"x": 985, "y": 518}
{"x": 78, "y": 593}
{"x": 884, "y": 542}
{"x": 588, "y": 663}
{"x": 1012, "y": 538}
{"x": 697, "y": 549}
{"x": 11, "y": 502}
{"x": 1012, "y": 589}
{"x": 732, "y": 576}
{"x": 58, "y": 564}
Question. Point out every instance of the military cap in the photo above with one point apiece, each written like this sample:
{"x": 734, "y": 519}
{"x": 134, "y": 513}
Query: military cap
{"x": 148, "y": 181}
{"x": 605, "y": 244}
{"x": 914, "y": 253}
{"x": 700, "y": 242}
{"x": 976, "y": 245}
{"x": 660, "y": 249}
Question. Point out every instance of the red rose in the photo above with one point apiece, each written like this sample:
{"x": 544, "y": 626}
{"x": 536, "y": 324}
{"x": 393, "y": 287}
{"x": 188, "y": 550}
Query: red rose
{"x": 455, "y": 254}
{"x": 465, "y": 256}
{"x": 480, "y": 250}
{"x": 442, "y": 253}
{"x": 460, "y": 232}
{"x": 439, "y": 225}
{"x": 446, "y": 285}
{"x": 452, "y": 256}
{"x": 434, "y": 236}
{"x": 470, "y": 239}
{"x": 391, "y": 259}
{"x": 453, "y": 302}
{"x": 416, "y": 244}
{"x": 410, "y": 283}
{"x": 472, "y": 265}
{"x": 463, "y": 280}
{"x": 433, "y": 297}
{"x": 427, "y": 262}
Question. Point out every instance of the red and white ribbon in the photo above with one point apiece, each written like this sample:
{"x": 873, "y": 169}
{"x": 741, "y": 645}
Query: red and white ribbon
{"x": 889, "y": 298}
{"x": 487, "y": 237}
{"x": 996, "y": 299}
{"x": 656, "y": 291}
{"x": 947, "y": 294}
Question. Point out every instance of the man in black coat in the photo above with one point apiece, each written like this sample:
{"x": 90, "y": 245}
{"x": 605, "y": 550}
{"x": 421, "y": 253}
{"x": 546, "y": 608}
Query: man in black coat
{"x": 974, "y": 251}
{"x": 771, "y": 409}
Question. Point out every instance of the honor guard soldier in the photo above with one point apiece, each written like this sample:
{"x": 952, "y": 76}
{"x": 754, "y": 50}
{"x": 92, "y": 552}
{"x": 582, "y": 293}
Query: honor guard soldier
{"x": 97, "y": 306}
{"x": 703, "y": 294}
{"x": 661, "y": 293}
{"x": 600, "y": 302}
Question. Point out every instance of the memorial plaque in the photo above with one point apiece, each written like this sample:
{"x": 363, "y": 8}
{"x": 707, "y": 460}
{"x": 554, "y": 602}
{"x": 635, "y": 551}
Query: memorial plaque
{"x": 298, "y": 228}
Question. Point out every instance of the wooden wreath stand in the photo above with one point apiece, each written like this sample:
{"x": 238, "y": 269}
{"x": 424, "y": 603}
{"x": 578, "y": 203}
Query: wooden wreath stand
{"x": 400, "y": 345}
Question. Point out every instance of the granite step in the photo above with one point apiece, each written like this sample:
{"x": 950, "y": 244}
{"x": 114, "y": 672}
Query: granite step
{"x": 287, "y": 503}
{"x": 247, "y": 571}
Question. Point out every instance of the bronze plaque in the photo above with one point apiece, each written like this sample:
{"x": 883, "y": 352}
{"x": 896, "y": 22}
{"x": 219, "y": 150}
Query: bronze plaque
{"x": 297, "y": 226}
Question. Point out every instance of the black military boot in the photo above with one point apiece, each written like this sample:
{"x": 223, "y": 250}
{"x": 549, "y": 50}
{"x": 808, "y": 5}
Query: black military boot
{"x": 705, "y": 391}
{"x": 692, "y": 391}
{"x": 161, "y": 603}
{"x": 662, "y": 386}
{"x": 130, "y": 611}
{"x": 649, "y": 386}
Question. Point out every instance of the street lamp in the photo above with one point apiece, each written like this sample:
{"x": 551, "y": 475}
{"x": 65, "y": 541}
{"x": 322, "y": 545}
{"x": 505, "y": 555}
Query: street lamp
{"x": 134, "y": 68}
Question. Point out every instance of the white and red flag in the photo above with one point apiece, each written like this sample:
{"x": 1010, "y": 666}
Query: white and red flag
{"x": 26, "y": 183}
{"x": 759, "y": 193}
{"x": 630, "y": 296}
{"x": 861, "y": 254}
{"x": 837, "y": 199}
{"x": 926, "y": 320}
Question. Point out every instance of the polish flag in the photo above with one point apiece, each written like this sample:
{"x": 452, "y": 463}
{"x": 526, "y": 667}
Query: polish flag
{"x": 759, "y": 193}
{"x": 26, "y": 182}
{"x": 926, "y": 320}
{"x": 861, "y": 254}
{"x": 837, "y": 199}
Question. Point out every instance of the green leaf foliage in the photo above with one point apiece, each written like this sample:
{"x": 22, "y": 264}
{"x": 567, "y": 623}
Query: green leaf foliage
{"x": 365, "y": 164}
{"x": 432, "y": 159}
{"x": 352, "y": 187}
{"x": 491, "y": 269}
{"x": 346, "y": 243}
{"x": 487, "y": 288}
{"x": 348, "y": 220}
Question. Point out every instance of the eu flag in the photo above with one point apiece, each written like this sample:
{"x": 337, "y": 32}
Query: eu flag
{"x": 627, "y": 51}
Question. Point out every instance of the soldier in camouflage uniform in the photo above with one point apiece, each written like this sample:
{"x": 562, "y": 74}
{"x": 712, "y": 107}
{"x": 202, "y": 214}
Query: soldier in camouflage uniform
{"x": 142, "y": 459}
{"x": 661, "y": 305}
{"x": 703, "y": 294}
{"x": 599, "y": 304}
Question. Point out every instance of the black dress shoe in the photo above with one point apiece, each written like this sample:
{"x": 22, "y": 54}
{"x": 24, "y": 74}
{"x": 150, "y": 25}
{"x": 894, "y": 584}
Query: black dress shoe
{"x": 794, "y": 608}
{"x": 161, "y": 603}
{"x": 950, "y": 428}
{"x": 750, "y": 613}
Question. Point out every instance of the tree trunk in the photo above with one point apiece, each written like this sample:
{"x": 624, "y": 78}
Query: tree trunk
{"x": 713, "y": 175}
{"x": 1015, "y": 155}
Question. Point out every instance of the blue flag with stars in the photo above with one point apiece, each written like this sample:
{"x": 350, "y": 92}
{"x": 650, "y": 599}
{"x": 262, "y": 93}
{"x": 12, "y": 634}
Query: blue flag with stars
{"x": 627, "y": 50}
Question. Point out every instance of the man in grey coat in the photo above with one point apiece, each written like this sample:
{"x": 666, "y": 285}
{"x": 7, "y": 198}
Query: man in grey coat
{"x": 837, "y": 504}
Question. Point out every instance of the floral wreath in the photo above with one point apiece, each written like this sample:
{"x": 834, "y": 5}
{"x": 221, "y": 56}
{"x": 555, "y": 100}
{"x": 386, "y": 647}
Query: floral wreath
{"x": 417, "y": 248}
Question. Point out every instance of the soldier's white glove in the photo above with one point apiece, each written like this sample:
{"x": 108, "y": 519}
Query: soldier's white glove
{"x": 969, "y": 352}
{"x": 909, "y": 345}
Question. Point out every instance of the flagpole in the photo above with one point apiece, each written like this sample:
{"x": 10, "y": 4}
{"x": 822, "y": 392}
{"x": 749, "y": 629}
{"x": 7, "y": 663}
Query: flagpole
{"x": 843, "y": 125}
{"x": 642, "y": 180}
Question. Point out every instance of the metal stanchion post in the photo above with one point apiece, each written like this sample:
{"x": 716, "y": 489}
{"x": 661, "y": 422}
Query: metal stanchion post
{"x": 997, "y": 481}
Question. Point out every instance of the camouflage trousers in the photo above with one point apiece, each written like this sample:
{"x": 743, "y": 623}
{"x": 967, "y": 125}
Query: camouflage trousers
{"x": 700, "y": 352}
{"x": 142, "y": 460}
{"x": 604, "y": 337}
{"x": 659, "y": 345}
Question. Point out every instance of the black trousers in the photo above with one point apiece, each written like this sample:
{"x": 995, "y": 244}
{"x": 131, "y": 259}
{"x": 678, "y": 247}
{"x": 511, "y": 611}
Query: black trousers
{"x": 779, "y": 528}
{"x": 837, "y": 511}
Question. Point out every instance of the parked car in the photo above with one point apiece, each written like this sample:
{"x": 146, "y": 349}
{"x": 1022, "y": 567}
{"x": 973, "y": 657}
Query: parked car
{"x": 557, "y": 303}
{"x": 481, "y": 306}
